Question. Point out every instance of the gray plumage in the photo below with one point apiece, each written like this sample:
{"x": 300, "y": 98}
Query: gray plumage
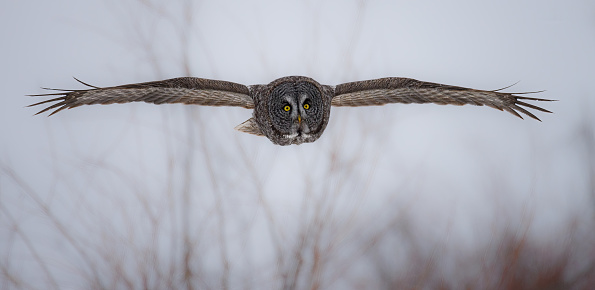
{"x": 289, "y": 110}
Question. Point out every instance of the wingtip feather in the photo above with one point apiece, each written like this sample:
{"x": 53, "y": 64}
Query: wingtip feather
{"x": 535, "y": 99}
{"x": 86, "y": 84}
{"x": 515, "y": 107}
{"x": 51, "y": 107}
{"x": 533, "y": 107}
{"x": 46, "y": 101}
{"x": 513, "y": 112}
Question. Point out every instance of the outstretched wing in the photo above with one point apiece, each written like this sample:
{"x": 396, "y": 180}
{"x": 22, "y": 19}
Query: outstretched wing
{"x": 404, "y": 90}
{"x": 185, "y": 90}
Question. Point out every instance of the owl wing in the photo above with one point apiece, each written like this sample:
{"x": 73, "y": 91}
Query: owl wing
{"x": 407, "y": 91}
{"x": 185, "y": 90}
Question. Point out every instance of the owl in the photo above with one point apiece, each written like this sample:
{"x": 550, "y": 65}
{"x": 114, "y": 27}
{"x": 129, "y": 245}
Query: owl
{"x": 293, "y": 109}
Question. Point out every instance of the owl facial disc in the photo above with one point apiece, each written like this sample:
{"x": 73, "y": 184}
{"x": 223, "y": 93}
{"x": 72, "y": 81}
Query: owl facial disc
{"x": 296, "y": 110}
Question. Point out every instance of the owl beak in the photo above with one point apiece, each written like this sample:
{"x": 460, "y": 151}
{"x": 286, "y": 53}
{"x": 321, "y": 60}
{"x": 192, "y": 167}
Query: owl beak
{"x": 299, "y": 119}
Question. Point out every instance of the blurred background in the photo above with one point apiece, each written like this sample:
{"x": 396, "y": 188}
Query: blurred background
{"x": 400, "y": 196}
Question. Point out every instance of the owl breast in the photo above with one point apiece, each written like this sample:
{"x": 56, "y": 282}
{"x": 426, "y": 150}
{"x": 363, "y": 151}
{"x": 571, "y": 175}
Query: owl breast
{"x": 292, "y": 110}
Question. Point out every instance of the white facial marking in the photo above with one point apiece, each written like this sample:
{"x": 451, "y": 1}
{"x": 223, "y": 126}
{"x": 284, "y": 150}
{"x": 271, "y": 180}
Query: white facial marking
{"x": 305, "y": 128}
{"x": 303, "y": 97}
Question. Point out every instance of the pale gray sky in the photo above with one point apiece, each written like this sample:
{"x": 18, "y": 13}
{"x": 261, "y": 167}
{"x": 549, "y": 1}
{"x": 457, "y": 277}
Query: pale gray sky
{"x": 452, "y": 178}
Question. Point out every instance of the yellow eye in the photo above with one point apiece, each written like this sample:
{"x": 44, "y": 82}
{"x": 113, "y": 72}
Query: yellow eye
{"x": 306, "y": 106}
{"x": 287, "y": 108}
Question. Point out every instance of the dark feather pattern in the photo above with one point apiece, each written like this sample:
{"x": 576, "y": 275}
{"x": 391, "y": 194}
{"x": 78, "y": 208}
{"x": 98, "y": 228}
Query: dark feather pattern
{"x": 185, "y": 90}
{"x": 406, "y": 91}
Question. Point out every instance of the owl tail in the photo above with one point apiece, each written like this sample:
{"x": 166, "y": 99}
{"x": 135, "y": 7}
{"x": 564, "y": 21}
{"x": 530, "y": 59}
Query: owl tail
{"x": 250, "y": 127}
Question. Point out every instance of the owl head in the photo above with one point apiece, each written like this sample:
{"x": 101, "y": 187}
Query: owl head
{"x": 293, "y": 110}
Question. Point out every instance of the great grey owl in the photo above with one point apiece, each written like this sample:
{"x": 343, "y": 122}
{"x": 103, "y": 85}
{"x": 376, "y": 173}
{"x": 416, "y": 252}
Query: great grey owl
{"x": 289, "y": 110}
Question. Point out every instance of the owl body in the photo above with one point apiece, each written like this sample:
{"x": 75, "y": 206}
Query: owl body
{"x": 290, "y": 110}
